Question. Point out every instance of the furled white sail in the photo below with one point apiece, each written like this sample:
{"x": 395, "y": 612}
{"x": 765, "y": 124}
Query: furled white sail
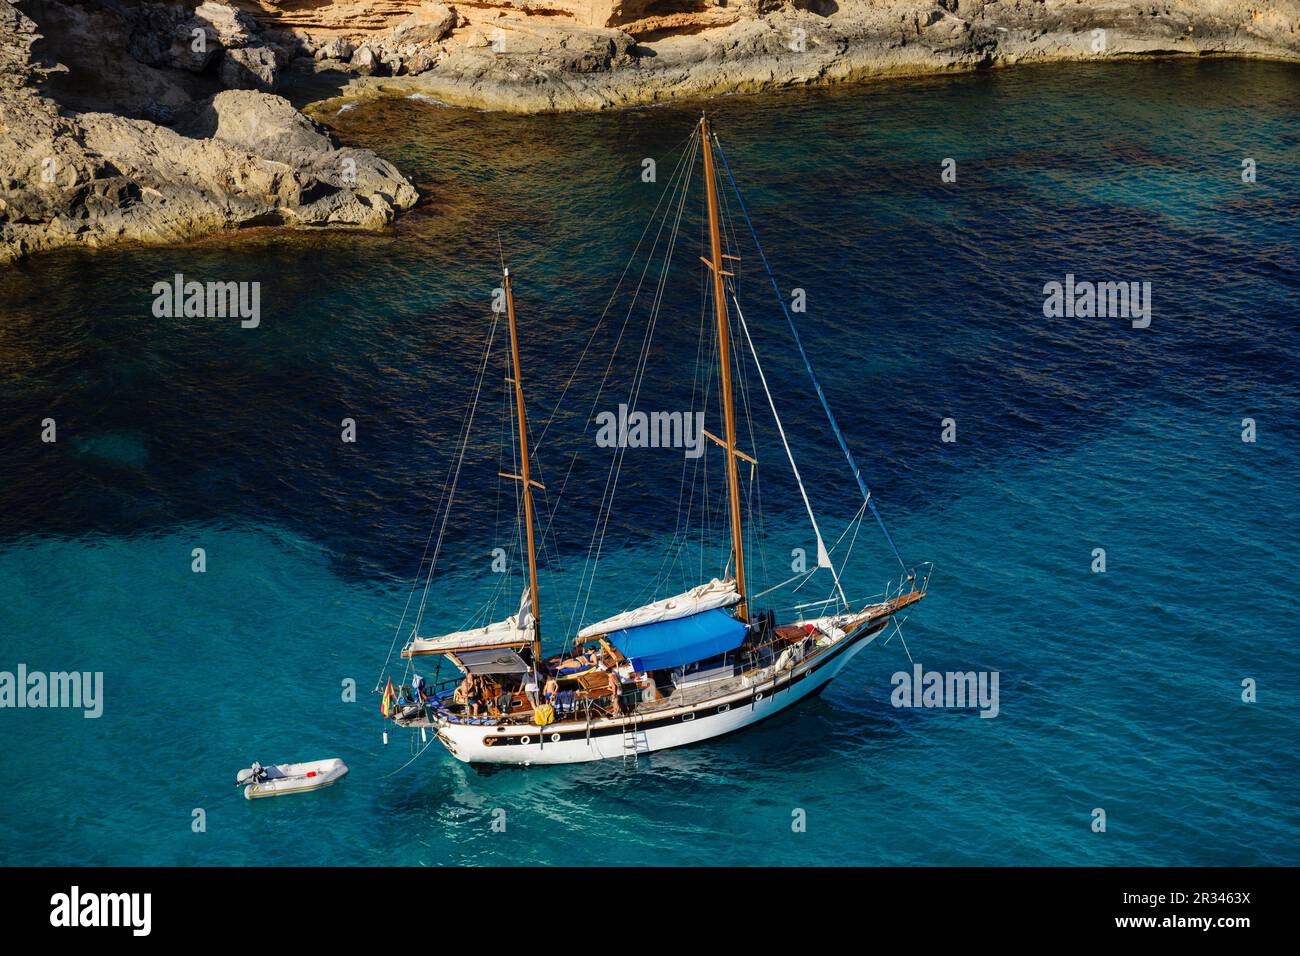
{"x": 704, "y": 597}
{"x": 514, "y": 630}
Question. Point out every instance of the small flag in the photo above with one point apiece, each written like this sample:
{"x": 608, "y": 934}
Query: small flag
{"x": 386, "y": 708}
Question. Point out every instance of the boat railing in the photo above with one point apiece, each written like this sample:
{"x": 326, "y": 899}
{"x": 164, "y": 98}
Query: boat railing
{"x": 757, "y": 661}
{"x": 916, "y": 578}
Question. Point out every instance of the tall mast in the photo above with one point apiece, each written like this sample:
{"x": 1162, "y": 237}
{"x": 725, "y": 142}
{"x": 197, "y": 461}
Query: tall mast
{"x": 524, "y": 475}
{"x": 724, "y": 363}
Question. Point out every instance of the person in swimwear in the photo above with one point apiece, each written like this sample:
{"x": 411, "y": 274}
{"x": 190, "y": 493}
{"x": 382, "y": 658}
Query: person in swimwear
{"x": 615, "y": 691}
{"x": 461, "y": 696}
{"x": 473, "y": 696}
{"x": 580, "y": 662}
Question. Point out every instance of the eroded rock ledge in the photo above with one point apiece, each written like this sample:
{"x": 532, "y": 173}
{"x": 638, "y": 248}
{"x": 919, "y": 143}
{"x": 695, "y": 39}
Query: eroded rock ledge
{"x": 538, "y": 55}
{"x": 157, "y": 120}
{"x": 85, "y": 157}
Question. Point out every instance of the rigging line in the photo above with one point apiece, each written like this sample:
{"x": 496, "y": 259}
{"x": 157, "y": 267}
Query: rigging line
{"x": 754, "y": 487}
{"x": 427, "y": 744}
{"x": 460, "y": 461}
{"x": 899, "y": 631}
{"x": 611, "y": 482}
{"x": 701, "y": 385}
{"x": 844, "y": 445}
{"x": 669, "y": 191}
{"x": 677, "y": 183}
{"x": 484, "y": 614}
{"x": 687, "y": 147}
{"x": 852, "y": 541}
{"x": 550, "y": 547}
{"x": 501, "y": 444}
{"x": 709, "y": 346}
{"x": 823, "y": 558}
{"x": 607, "y": 495}
{"x": 503, "y": 429}
{"x": 639, "y": 377}
{"x": 677, "y": 542}
{"x": 467, "y": 417}
{"x": 517, "y": 487}
{"x": 855, "y": 525}
{"x": 853, "y": 522}
{"x": 796, "y": 577}
{"x": 550, "y": 556}
{"x": 638, "y": 381}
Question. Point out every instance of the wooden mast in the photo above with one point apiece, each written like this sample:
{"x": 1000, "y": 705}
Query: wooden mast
{"x": 524, "y": 474}
{"x": 724, "y": 363}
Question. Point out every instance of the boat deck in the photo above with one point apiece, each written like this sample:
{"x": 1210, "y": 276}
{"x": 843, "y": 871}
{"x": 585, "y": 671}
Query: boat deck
{"x": 593, "y": 700}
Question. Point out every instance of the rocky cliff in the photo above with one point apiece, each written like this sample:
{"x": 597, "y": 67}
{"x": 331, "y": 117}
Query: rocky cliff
{"x": 532, "y": 55}
{"x": 156, "y": 120}
{"x": 111, "y": 130}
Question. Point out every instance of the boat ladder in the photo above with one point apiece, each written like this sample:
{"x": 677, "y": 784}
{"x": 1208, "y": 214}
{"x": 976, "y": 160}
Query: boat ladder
{"x": 634, "y": 741}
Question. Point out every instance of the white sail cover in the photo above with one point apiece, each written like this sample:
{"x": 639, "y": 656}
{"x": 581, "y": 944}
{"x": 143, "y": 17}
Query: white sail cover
{"x": 705, "y": 597}
{"x": 507, "y": 633}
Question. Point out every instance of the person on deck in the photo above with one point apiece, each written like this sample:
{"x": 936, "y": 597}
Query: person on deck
{"x": 615, "y": 692}
{"x": 468, "y": 691}
{"x": 461, "y": 696}
{"x": 528, "y": 684}
{"x": 580, "y": 662}
{"x": 551, "y": 690}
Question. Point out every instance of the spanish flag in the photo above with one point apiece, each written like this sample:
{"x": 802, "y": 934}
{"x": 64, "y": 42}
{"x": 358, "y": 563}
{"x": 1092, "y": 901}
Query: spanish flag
{"x": 390, "y": 695}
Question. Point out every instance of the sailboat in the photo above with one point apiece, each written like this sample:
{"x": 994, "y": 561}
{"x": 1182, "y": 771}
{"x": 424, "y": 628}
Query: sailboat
{"x": 679, "y": 669}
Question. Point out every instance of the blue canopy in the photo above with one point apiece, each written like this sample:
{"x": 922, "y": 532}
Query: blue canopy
{"x": 673, "y": 643}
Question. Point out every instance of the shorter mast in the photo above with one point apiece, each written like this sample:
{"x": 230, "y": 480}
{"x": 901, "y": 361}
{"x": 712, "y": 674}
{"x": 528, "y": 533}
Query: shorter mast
{"x": 524, "y": 475}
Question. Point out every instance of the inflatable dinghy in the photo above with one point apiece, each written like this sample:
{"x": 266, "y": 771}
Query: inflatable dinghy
{"x": 274, "y": 781}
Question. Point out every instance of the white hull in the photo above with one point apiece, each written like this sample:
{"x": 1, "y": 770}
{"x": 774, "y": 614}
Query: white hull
{"x": 578, "y": 742}
{"x": 287, "y": 778}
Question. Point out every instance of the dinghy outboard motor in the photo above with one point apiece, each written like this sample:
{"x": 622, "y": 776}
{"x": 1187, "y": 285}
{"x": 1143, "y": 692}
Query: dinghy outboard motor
{"x": 253, "y": 774}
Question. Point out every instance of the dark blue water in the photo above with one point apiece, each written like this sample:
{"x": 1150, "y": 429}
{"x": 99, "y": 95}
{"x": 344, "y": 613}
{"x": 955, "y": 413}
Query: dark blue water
{"x": 1119, "y": 691}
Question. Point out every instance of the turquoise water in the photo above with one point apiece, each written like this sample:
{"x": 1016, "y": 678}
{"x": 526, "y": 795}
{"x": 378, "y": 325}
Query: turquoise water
{"x": 1119, "y": 690}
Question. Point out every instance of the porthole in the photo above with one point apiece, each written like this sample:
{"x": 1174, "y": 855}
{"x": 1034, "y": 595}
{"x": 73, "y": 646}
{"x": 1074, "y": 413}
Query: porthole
{"x": 686, "y": 717}
{"x": 724, "y": 708}
{"x": 758, "y": 697}
{"x": 555, "y": 738}
{"x": 525, "y": 739}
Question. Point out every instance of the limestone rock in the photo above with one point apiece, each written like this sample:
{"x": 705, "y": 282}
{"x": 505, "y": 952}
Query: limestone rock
{"x": 336, "y": 48}
{"x": 250, "y": 68}
{"x": 171, "y": 35}
{"x": 364, "y": 61}
{"x": 233, "y": 159}
{"x": 543, "y": 55}
{"x": 419, "y": 62}
{"x": 432, "y": 23}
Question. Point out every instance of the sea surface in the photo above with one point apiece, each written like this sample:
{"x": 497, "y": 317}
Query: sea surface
{"x": 1120, "y": 691}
